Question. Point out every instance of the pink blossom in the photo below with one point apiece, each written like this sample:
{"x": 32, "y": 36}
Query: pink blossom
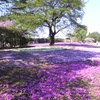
{"x": 7, "y": 23}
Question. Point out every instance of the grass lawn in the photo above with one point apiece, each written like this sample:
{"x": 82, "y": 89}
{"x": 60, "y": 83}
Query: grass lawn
{"x": 50, "y": 73}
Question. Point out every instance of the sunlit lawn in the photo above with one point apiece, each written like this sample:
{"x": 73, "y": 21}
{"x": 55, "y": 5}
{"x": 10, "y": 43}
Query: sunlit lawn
{"x": 50, "y": 73}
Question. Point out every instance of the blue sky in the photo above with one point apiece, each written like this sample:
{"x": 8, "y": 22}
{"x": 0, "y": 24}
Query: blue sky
{"x": 92, "y": 16}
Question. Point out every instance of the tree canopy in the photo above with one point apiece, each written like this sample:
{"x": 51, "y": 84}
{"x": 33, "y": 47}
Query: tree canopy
{"x": 56, "y": 15}
{"x": 95, "y": 36}
{"x": 12, "y": 37}
{"x": 80, "y": 33}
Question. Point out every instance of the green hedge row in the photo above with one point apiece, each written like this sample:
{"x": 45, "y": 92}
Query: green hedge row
{"x": 11, "y": 37}
{"x": 46, "y": 40}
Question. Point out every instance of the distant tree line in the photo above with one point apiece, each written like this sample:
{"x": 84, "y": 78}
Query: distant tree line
{"x": 80, "y": 34}
{"x": 13, "y": 37}
{"x": 95, "y": 36}
{"x": 45, "y": 40}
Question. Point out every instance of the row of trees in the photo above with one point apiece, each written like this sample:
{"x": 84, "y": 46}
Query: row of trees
{"x": 55, "y": 15}
{"x": 12, "y": 37}
{"x": 80, "y": 34}
{"x": 95, "y": 36}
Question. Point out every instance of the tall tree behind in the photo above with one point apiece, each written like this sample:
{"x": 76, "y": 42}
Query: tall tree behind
{"x": 80, "y": 33}
{"x": 56, "y": 15}
{"x": 95, "y": 36}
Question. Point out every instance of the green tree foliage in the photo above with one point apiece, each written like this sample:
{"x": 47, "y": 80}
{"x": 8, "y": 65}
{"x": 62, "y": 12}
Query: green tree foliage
{"x": 80, "y": 33}
{"x": 94, "y": 35}
{"x": 56, "y": 15}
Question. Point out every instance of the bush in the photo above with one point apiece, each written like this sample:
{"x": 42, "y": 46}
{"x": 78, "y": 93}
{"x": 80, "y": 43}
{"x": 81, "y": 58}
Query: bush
{"x": 59, "y": 40}
{"x": 13, "y": 37}
{"x": 40, "y": 40}
{"x": 46, "y": 40}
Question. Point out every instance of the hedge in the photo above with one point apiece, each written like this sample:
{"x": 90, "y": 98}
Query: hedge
{"x": 12, "y": 37}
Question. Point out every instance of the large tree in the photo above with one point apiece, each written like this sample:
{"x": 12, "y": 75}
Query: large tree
{"x": 56, "y": 15}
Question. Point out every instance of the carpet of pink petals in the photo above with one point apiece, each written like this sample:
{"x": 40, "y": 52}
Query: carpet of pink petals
{"x": 65, "y": 74}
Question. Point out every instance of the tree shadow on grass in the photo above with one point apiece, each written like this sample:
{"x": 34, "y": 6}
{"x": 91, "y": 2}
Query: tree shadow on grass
{"x": 15, "y": 80}
{"x": 78, "y": 89}
{"x": 26, "y": 58}
{"x": 57, "y": 80}
{"x": 54, "y": 83}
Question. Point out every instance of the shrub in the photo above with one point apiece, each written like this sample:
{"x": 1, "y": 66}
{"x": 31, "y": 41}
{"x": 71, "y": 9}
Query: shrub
{"x": 12, "y": 36}
{"x": 59, "y": 40}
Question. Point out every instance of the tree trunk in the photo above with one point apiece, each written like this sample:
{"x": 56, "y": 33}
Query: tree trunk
{"x": 51, "y": 35}
{"x": 52, "y": 39}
